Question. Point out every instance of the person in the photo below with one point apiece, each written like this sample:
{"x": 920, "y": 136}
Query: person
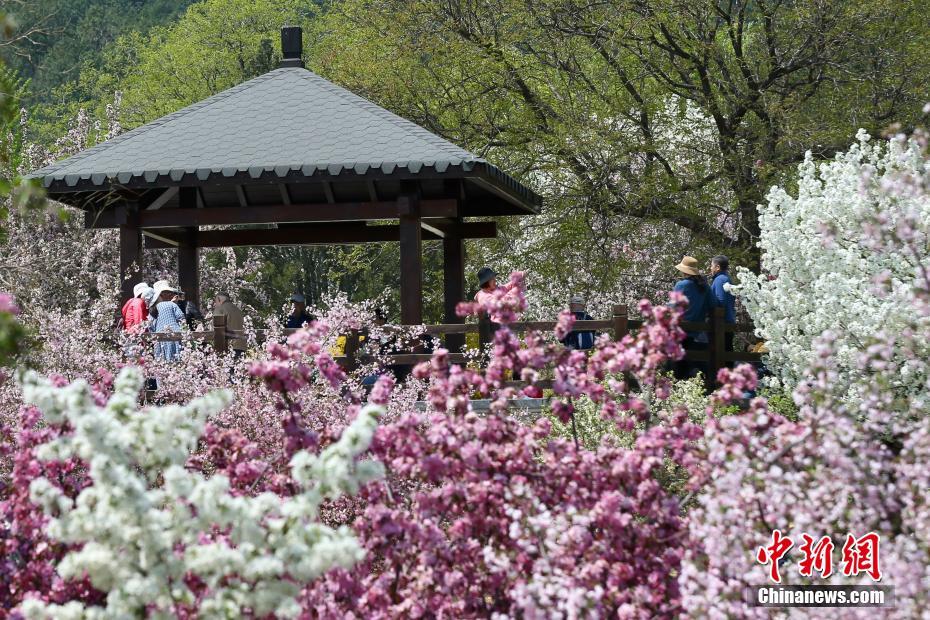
{"x": 487, "y": 286}
{"x": 694, "y": 287}
{"x": 298, "y": 316}
{"x": 168, "y": 318}
{"x": 223, "y": 306}
{"x": 192, "y": 313}
{"x": 135, "y": 311}
{"x": 722, "y": 298}
{"x": 579, "y": 339}
{"x": 149, "y": 298}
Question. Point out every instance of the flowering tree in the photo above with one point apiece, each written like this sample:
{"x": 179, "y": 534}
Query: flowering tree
{"x": 251, "y": 441}
{"x": 854, "y": 462}
{"x": 483, "y": 516}
{"x": 160, "y": 538}
{"x": 828, "y": 265}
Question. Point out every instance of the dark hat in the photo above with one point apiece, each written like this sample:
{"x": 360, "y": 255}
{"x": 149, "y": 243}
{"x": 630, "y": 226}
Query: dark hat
{"x": 485, "y": 275}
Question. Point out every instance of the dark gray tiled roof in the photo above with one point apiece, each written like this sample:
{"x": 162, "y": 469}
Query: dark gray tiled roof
{"x": 288, "y": 121}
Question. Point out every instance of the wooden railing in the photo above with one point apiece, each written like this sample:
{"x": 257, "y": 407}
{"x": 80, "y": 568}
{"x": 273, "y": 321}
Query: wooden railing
{"x": 714, "y": 356}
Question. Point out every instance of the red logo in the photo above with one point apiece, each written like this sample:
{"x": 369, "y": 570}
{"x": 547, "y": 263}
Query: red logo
{"x": 861, "y": 556}
{"x": 773, "y": 553}
{"x": 817, "y": 557}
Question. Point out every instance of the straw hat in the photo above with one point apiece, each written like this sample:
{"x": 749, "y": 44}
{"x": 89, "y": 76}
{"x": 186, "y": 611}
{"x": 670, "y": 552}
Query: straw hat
{"x": 688, "y": 266}
{"x": 139, "y": 288}
{"x": 160, "y": 287}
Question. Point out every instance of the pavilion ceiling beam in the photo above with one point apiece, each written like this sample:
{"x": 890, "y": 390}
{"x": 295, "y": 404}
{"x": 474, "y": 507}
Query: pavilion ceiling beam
{"x": 443, "y": 228}
{"x": 285, "y": 194}
{"x": 88, "y": 199}
{"x": 315, "y": 234}
{"x": 438, "y": 232}
{"x": 278, "y": 214}
{"x": 455, "y": 187}
{"x": 240, "y": 195}
{"x": 328, "y": 191}
{"x": 160, "y": 240}
{"x": 372, "y": 190}
{"x": 163, "y": 199}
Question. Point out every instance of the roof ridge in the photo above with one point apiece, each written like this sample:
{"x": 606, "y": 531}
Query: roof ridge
{"x": 387, "y": 115}
{"x": 158, "y": 122}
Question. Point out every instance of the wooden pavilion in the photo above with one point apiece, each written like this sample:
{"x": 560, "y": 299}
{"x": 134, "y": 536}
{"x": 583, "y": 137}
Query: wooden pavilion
{"x": 309, "y": 161}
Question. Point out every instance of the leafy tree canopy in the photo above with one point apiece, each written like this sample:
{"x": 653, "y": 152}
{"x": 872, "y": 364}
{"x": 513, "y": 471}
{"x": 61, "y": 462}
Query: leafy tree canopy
{"x": 54, "y": 39}
{"x": 684, "y": 111}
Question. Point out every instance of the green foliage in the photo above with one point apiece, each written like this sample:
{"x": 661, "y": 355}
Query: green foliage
{"x": 592, "y": 429}
{"x": 781, "y": 402}
{"x": 13, "y": 337}
{"x": 216, "y": 44}
{"x": 670, "y": 110}
{"x": 362, "y": 272}
{"x": 54, "y": 39}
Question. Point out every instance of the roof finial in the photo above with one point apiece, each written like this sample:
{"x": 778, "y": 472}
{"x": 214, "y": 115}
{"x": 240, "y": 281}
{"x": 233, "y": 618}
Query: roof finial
{"x": 292, "y": 46}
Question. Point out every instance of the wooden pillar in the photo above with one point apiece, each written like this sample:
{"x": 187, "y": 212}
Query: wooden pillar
{"x": 411, "y": 259}
{"x": 189, "y": 266}
{"x": 453, "y": 267}
{"x": 485, "y": 330}
{"x": 130, "y": 249}
{"x": 621, "y": 322}
{"x": 189, "y": 251}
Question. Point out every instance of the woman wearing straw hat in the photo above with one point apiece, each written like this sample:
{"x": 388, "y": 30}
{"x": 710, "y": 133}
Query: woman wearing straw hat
{"x": 694, "y": 287}
{"x": 168, "y": 318}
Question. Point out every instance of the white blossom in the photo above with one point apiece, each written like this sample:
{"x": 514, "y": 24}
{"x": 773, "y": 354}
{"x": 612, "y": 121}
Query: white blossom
{"x": 146, "y": 520}
{"x": 821, "y": 269}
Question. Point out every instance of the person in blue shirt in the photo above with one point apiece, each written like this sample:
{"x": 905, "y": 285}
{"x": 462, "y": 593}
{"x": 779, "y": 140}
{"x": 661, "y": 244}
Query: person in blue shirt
{"x": 299, "y": 315}
{"x": 722, "y": 298}
{"x": 694, "y": 287}
{"x": 579, "y": 339}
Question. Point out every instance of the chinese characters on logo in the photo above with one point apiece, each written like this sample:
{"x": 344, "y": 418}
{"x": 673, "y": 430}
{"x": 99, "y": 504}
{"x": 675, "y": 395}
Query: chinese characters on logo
{"x": 860, "y": 555}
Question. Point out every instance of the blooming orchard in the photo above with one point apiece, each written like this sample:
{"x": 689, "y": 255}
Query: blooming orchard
{"x": 556, "y": 528}
{"x": 632, "y": 497}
